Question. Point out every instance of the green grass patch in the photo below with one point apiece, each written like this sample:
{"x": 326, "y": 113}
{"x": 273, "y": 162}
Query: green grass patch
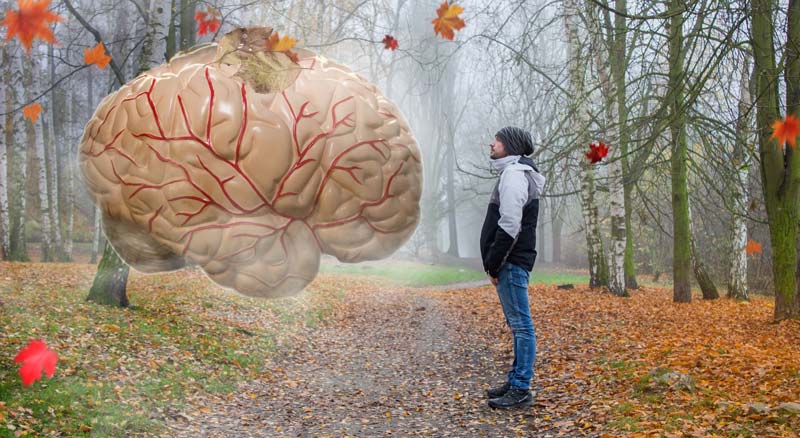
{"x": 549, "y": 276}
{"x": 121, "y": 370}
{"x": 409, "y": 273}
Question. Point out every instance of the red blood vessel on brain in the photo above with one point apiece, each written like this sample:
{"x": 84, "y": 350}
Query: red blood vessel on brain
{"x": 249, "y": 165}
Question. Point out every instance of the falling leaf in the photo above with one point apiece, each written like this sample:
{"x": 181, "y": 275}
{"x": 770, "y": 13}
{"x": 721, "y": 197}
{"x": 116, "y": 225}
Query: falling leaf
{"x": 276, "y": 43}
{"x": 753, "y": 247}
{"x": 32, "y": 111}
{"x": 389, "y": 42}
{"x": 35, "y": 358}
{"x": 207, "y": 21}
{"x": 786, "y": 130}
{"x": 448, "y": 20}
{"x": 597, "y": 151}
{"x": 213, "y": 25}
{"x": 30, "y": 21}
{"x": 96, "y": 55}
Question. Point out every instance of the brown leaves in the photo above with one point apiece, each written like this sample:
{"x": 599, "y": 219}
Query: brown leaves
{"x": 448, "y": 20}
{"x": 428, "y": 357}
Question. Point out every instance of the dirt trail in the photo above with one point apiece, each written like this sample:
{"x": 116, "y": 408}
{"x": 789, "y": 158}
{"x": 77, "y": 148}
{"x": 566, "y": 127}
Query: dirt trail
{"x": 394, "y": 362}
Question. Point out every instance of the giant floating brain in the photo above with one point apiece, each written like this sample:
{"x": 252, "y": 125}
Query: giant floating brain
{"x": 251, "y": 166}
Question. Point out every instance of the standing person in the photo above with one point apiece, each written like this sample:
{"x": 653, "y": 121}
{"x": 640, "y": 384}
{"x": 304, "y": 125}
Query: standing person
{"x": 508, "y": 249}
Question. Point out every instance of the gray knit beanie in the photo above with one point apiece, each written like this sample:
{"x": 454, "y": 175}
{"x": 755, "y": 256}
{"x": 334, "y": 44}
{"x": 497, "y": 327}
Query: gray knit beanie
{"x": 517, "y": 141}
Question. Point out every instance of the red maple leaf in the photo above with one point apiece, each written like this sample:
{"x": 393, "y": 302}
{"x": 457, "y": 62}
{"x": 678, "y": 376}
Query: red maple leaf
{"x": 207, "y": 21}
{"x": 597, "y": 151}
{"x": 389, "y": 42}
{"x": 30, "y": 21}
{"x": 35, "y": 358}
{"x": 786, "y": 130}
{"x": 448, "y": 20}
{"x": 752, "y": 247}
{"x": 213, "y": 25}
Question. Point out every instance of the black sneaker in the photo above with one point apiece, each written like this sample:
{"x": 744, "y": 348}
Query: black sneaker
{"x": 498, "y": 391}
{"x": 514, "y": 398}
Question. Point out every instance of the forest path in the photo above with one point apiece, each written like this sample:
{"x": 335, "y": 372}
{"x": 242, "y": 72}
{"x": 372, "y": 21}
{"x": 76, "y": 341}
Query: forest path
{"x": 393, "y": 362}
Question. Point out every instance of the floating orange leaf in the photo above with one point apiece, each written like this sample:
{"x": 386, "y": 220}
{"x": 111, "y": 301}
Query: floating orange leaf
{"x": 753, "y": 247}
{"x": 30, "y": 21}
{"x": 389, "y": 42}
{"x": 32, "y": 111}
{"x": 448, "y": 20}
{"x": 96, "y": 55}
{"x": 786, "y": 130}
{"x": 276, "y": 43}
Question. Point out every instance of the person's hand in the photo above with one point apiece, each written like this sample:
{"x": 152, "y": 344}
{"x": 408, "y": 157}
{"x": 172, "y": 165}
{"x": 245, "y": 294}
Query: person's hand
{"x": 494, "y": 280}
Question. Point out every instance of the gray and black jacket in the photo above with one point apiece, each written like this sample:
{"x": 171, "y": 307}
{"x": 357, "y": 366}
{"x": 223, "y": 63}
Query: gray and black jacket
{"x": 509, "y": 230}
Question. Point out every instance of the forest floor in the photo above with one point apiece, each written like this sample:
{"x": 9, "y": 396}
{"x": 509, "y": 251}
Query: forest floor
{"x": 363, "y": 356}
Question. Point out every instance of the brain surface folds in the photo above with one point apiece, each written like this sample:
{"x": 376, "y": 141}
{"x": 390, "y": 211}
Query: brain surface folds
{"x": 250, "y": 166}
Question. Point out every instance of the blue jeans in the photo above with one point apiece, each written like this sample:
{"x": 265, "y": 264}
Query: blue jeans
{"x": 512, "y": 289}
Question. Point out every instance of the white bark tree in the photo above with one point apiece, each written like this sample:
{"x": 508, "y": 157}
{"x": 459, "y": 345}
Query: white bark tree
{"x": 36, "y": 140}
{"x": 598, "y": 272}
{"x": 616, "y": 280}
{"x": 737, "y": 282}
{"x": 5, "y": 145}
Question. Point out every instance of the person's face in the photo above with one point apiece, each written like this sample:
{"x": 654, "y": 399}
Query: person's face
{"x": 498, "y": 150}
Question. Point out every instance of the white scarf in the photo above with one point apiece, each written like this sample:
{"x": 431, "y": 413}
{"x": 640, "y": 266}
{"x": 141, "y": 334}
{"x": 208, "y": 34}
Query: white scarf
{"x": 500, "y": 164}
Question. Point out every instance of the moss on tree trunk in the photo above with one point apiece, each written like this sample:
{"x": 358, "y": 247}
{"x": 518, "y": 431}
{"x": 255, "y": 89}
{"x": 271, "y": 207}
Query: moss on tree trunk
{"x": 111, "y": 281}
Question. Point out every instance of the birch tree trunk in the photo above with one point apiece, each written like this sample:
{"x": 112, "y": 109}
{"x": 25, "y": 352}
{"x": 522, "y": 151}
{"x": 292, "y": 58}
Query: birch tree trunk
{"x": 44, "y": 205}
{"x": 52, "y": 134}
{"x": 616, "y": 283}
{"x": 35, "y": 142}
{"x": 598, "y": 270}
{"x": 618, "y": 68}
{"x": 737, "y": 282}
{"x": 780, "y": 165}
{"x": 69, "y": 176}
{"x": 18, "y": 160}
{"x": 47, "y": 160}
{"x": 5, "y": 146}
